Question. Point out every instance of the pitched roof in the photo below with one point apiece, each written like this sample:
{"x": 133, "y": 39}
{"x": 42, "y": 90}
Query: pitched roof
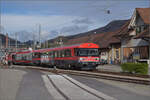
{"x": 124, "y": 29}
{"x": 145, "y": 14}
{"x": 108, "y": 39}
{"x": 102, "y": 39}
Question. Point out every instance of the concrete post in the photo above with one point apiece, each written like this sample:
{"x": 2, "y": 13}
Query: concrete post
{"x": 149, "y": 52}
{"x": 148, "y": 62}
{"x": 112, "y": 55}
{"x": 149, "y": 55}
{"x": 121, "y": 54}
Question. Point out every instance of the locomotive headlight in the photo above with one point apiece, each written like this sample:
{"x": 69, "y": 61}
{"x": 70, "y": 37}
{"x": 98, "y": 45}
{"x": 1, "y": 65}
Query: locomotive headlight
{"x": 81, "y": 58}
{"x": 96, "y": 58}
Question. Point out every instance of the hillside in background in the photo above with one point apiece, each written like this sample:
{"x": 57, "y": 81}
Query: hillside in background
{"x": 11, "y": 41}
{"x": 110, "y": 27}
{"x": 102, "y": 36}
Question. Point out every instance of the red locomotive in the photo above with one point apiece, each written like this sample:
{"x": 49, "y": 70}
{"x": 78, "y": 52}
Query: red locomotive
{"x": 81, "y": 56}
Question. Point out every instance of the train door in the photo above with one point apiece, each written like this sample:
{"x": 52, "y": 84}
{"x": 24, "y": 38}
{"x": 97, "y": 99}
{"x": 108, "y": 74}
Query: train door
{"x": 13, "y": 58}
{"x": 45, "y": 58}
{"x": 36, "y": 58}
{"x": 52, "y": 55}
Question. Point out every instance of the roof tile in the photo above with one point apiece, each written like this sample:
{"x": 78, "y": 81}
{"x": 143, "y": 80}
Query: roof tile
{"x": 145, "y": 14}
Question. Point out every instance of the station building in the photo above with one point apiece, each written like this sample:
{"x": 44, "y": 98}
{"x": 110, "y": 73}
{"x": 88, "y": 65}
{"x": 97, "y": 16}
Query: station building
{"x": 135, "y": 37}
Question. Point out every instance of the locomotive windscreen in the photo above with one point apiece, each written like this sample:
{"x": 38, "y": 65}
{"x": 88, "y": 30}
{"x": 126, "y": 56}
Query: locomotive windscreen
{"x": 86, "y": 52}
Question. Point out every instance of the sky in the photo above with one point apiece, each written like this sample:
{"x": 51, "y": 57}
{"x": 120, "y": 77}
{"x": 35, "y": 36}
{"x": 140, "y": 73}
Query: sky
{"x": 62, "y": 17}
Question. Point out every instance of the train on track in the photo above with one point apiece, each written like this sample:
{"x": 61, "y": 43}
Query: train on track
{"x": 84, "y": 56}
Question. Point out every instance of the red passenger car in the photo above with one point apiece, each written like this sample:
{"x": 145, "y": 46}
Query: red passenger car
{"x": 24, "y": 57}
{"x": 81, "y": 56}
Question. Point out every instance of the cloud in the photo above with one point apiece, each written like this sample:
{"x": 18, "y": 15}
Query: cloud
{"x": 66, "y": 17}
{"x": 74, "y": 29}
{"x": 82, "y": 21}
{"x": 53, "y": 33}
{"x": 28, "y": 22}
{"x": 24, "y": 35}
{"x": 51, "y": 26}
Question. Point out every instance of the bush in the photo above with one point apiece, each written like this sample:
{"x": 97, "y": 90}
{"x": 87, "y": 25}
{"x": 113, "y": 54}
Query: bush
{"x": 137, "y": 68}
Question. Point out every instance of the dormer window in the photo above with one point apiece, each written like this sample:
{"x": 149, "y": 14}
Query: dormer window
{"x": 138, "y": 29}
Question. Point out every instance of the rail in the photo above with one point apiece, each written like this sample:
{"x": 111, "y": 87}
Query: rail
{"x": 109, "y": 76}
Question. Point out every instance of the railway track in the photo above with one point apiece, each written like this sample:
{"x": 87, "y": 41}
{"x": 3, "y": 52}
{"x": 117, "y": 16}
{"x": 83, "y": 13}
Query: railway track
{"x": 53, "y": 83}
{"x": 121, "y": 74}
{"x": 129, "y": 79}
{"x": 73, "y": 89}
{"x": 108, "y": 76}
{"x": 145, "y": 80}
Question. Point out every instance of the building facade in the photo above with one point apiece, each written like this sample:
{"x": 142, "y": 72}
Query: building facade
{"x": 135, "y": 49}
{"x": 114, "y": 53}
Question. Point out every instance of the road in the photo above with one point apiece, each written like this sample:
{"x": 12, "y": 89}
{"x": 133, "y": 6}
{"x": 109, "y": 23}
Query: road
{"x": 25, "y": 84}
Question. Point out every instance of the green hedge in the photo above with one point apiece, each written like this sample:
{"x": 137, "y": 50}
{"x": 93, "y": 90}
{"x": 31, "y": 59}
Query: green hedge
{"x": 137, "y": 68}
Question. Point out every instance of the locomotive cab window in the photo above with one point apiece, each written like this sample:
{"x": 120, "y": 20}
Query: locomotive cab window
{"x": 86, "y": 52}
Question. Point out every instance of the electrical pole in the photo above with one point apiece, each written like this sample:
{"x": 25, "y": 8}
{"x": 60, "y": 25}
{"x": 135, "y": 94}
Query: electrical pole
{"x": 60, "y": 40}
{"x": 16, "y": 41}
{"x": 6, "y": 45}
{"x": 0, "y": 27}
{"x": 33, "y": 42}
{"x": 0, "y": 19}
{"x": 44, "y": 44}
{"x": 8, "y": 42}
{"x": 40, "y": 35}
{"x": 47, "y": 43}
